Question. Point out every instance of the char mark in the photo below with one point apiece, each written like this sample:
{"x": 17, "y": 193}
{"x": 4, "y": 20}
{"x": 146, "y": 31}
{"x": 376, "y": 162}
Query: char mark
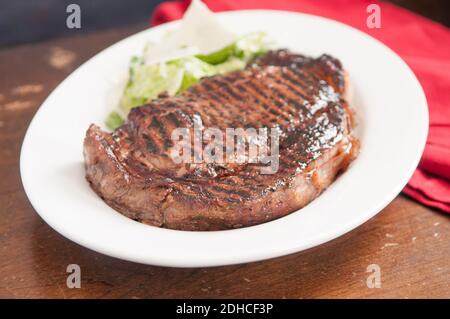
{"x": 167, "y": 142}
{"x": 150, "y": 144}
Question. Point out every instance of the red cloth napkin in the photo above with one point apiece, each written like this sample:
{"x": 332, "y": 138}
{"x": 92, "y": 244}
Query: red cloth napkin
{"x": 422, "y": 43}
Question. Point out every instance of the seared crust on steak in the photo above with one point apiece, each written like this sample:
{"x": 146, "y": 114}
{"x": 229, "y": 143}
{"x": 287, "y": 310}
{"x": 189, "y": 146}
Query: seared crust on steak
{"x": 132, "y": 170}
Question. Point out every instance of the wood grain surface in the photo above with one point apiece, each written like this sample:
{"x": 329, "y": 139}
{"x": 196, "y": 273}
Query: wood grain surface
{"x": 408, "y": 241}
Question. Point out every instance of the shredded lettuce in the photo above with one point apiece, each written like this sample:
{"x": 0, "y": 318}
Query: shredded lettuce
{"x": 147, "y": 81}
{"x": 251, "y": 45}
{"x": 114, "y": 120}
{"x": 218, "y": 56}
{"x": 193, "y": 70}
{"x": 232, "y": 64}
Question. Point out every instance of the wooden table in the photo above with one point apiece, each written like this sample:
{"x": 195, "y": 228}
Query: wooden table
{"x": 408, "y": 241}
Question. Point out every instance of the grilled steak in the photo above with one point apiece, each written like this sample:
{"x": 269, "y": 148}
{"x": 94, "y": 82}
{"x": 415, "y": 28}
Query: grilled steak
{"x": 303, "y": 98}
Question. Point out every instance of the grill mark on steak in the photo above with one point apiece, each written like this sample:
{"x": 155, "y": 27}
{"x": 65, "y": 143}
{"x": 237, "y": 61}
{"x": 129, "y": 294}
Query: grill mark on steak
{"x": 263, "y": 108}
{"x": 225, "y": 85}
{"x": 240, "y": 193}
{"x": 290, "y": 103}
{"x": 217, "y": 98}
{"x": 294, "y": 101}
{"x": 274, "y": 104}
{"x": 234, "y": 108}
{"x": 150, "y": 144}
{"x": 306, "y": 80}
{"x": 303, "y": 97}
{"x": 211, "y": 90}
{"x": 167, "y": 142}
{"x": 303, "y": 91}
{"x": 174, "y": 119}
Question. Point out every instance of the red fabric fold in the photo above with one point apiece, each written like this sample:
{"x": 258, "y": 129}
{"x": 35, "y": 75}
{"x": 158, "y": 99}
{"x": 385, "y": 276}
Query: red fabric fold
{"x": 422, "y": 43}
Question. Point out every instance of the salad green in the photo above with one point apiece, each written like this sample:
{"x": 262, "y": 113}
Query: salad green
{"x": 147, "y": 81}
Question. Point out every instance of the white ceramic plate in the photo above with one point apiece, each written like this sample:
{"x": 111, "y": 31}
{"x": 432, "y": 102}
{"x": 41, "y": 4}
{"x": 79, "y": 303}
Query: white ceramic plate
{"x": 393, "y": 121}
